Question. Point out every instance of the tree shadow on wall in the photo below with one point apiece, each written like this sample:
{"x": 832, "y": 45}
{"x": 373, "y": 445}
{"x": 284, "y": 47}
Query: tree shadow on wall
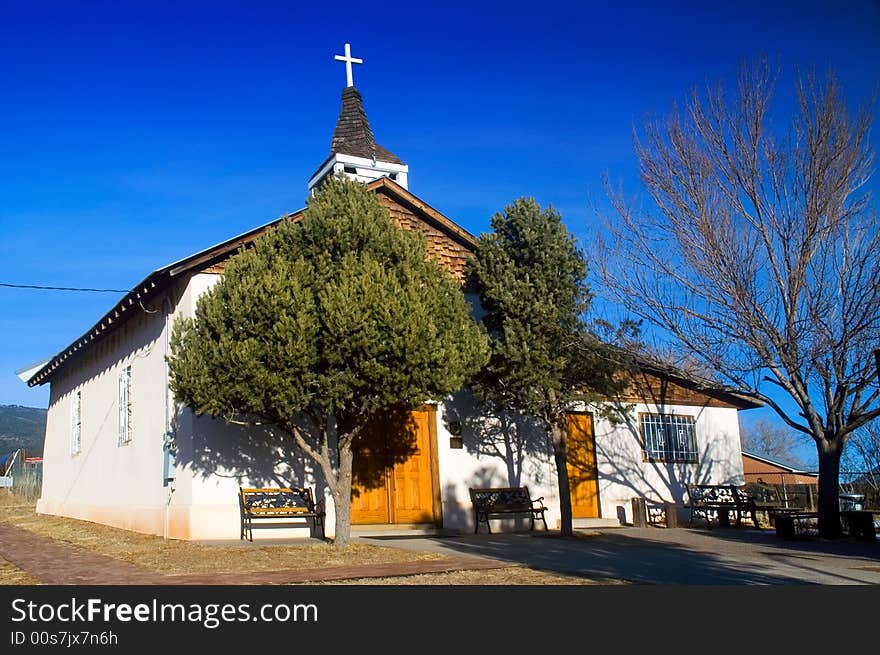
{"x": 255, "y": 454}
{"x": 624, "y": 464}
{"x": 513, "y": 438}
{"x": 267, "y": 456}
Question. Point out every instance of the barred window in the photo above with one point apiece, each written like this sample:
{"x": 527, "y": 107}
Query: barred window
{"x": 76, "y": 422}
{"x": 669, "y": 437}
{"x": 124, "y": 434}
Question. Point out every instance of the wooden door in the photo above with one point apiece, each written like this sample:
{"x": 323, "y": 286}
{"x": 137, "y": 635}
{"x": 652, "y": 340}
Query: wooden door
{"x": 396, "y": 488}
{"x": 412, "y": 494}
{"x": 581, "y": 462}
{"x": 369, "y": 498}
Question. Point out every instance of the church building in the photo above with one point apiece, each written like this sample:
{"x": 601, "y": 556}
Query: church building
{"x": 119, "y": 450}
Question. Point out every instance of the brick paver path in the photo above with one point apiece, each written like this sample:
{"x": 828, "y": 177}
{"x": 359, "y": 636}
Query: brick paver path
{"x": 54, "y": 562}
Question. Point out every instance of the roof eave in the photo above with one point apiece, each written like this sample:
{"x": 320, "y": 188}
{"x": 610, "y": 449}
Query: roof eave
{"x": 767, "y": 460}
{"x": 736, "y": 397}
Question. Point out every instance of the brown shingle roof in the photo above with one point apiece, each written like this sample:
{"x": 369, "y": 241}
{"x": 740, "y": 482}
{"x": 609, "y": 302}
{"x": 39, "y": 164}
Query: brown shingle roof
{"x": 353, "y": 135}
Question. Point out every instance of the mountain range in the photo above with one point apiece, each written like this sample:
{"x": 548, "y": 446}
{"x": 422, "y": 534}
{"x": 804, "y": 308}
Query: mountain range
{"x": 22, "y": 427}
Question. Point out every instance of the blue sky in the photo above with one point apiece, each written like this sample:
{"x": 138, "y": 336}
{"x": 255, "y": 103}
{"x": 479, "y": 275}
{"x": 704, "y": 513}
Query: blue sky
{"x": 134, "y": 134}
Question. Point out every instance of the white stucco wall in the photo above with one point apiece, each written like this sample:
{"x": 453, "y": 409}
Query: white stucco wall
{"x": 122, "y": 485}
{"x": 216, "y": 458}
{"x": 108, "y": 482}
{"x": 494, "y": 452}
{"x": 488, "y": 458}
{"x": 624, "y": 473}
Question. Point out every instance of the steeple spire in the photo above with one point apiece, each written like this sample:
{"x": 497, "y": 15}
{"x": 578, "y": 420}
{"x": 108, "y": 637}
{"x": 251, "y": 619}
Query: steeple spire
{"x": 353, "y": 134}
{"x": 353, "y": 148}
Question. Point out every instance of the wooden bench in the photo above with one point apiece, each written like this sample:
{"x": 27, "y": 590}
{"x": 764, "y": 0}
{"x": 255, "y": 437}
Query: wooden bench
{"x": 278, "y": 503}
{"x": 500, "y": 502}
{"x": 720, "y": 499}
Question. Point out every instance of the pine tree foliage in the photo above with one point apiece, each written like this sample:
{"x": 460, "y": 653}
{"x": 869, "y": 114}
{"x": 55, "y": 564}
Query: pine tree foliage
{"x": 544, "y": 357}
{"x": 335, "y": 318}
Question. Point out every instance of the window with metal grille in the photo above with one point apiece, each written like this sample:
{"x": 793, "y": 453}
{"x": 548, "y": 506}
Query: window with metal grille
{"x": 124, "y": 434}
{"x": 669, "y": 437}
{"x": 76, "y": 422}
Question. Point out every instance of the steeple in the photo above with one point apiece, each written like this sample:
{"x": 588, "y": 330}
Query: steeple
{"x": 353, "y": 149}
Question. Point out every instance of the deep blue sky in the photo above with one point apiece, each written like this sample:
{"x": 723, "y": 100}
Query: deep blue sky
{"x": 134, "y": 134}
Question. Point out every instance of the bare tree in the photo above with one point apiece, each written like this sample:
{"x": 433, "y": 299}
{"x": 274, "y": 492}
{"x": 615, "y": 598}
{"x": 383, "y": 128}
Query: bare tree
{"x": 763, "y": 437}
{"x": 759, "y": 254}
{"x": 861, "y": 462}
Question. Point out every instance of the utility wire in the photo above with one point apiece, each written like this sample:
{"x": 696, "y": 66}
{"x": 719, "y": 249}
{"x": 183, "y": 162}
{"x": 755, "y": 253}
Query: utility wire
{"x": 37, "y": 286}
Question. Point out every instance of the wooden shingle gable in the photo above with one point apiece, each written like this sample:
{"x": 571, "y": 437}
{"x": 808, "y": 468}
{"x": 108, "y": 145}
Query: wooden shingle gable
{"x": 660, "y": 386}
{"x": 447, "y": 243}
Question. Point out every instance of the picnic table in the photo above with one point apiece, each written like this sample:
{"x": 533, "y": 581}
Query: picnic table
{"x": 720, "y": 499}
{"x": 858, "y": 524}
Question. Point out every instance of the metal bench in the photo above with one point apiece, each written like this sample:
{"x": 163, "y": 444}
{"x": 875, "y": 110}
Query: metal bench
{"x": 278, "y": 503}
{"x": 720, "y": 499}
{"x": 499, "y": 502}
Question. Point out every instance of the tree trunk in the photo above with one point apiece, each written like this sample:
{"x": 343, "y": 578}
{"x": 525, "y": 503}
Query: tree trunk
{"x": 829, "y": 478}
{"x": 342, "y": 493}
{"x": 559, "y": 454}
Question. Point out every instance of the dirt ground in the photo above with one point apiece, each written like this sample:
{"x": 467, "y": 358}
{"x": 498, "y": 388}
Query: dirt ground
{"x": 505, "y": 576}
{"x": 181, "y": 557}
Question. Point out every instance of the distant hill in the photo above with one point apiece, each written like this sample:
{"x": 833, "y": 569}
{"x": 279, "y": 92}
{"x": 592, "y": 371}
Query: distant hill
{"x": 22, "y": 427}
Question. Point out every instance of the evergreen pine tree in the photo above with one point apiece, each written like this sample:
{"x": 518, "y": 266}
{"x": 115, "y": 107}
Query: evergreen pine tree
{"x": 324, "y": 325}
{"x": 532, "y": 282}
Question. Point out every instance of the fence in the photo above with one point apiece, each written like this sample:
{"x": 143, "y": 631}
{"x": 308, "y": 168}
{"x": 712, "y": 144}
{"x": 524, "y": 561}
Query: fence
{"x": 25, "y": 474}
{"x": 796, "y": 494}
{"x": 28, "y": 482}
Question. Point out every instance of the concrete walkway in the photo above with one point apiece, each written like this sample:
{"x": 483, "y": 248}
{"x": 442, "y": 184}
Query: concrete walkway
{"x": 58, "y": 563}
{"x": 661, "y": 556}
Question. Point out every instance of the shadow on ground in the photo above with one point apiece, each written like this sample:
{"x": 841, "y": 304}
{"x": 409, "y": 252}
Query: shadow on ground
{"x": 684, "y": 556}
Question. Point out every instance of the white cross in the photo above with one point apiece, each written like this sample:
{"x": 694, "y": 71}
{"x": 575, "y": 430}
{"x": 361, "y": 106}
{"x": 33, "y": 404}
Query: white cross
{"x": 349, "y": 60}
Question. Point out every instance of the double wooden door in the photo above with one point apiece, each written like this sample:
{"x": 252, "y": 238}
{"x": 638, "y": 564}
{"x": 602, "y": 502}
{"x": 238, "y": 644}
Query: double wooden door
{"x": 394, "y": 471}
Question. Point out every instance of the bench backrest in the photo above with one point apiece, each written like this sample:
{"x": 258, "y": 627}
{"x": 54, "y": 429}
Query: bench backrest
{"x": 711, "y": 493}
{"x": 719, "y": 494}
{"x": 741, "y": 496}
{"x": 509, "y": 497}
{"x": 268, "y": 500}
{"x": 763, "y": 493}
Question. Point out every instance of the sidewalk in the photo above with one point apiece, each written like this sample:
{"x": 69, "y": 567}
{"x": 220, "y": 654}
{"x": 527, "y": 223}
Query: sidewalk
{"x": 660, "y": 556}
{"x": 57, "y": 563}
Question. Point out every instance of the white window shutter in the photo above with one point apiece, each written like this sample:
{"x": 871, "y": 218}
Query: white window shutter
{"x": 120, "y": 404}
{"x": 74, "y": 422}
{"x": 124, "y": 406}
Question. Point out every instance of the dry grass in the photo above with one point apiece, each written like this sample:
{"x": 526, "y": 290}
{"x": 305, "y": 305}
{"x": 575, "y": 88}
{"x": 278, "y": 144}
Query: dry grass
{"x": 179, "y": 557}
{"x": 10, "y": 574}
{"x": 514, "y": 575}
